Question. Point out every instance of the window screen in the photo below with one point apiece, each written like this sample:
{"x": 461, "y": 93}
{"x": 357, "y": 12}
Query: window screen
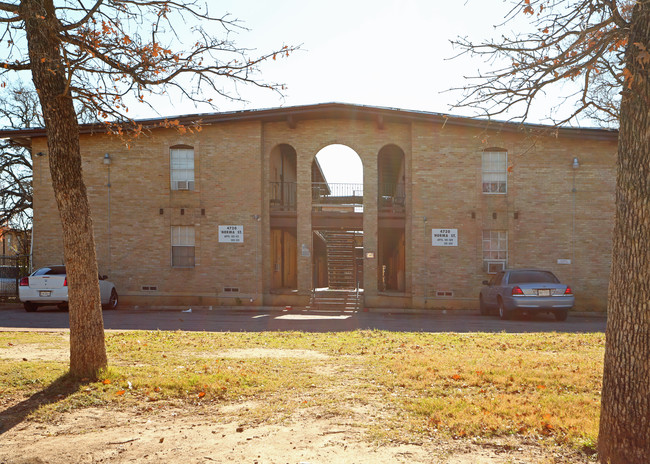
{"x": 495, "y": 171}
{"x": 182, "y": 246}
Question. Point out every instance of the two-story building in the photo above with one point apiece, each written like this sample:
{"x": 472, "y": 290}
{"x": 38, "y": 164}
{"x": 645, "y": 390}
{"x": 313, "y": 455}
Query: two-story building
{"x": 240, "y": 213}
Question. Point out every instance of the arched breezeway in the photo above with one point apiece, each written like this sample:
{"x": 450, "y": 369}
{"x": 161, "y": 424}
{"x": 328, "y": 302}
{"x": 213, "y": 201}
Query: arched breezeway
{"x": 345, "y": 238}
{"x": 337, "y": 219}
{"x": 391, "y": 232}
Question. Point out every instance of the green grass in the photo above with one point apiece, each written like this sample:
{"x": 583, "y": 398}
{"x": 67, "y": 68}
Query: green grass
{"x": 543, "y": 386}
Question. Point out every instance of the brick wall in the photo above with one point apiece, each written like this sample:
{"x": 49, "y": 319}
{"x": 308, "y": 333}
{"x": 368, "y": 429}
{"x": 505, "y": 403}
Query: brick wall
{"x": 551, "y": 210}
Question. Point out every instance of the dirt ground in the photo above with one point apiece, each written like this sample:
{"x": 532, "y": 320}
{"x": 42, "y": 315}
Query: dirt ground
{"x": 215, "y": 434}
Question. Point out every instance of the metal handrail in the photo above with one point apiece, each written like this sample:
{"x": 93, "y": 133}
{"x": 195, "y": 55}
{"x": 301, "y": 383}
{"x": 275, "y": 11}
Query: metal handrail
{"x": 323, "y": 193}
{"x": 283, "y": 196}
{"x": 392, "y": 197}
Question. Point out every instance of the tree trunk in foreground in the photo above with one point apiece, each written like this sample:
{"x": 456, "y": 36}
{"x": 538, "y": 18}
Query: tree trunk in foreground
{"x": 625, "y": 415}
{"x": 87, "y": 347}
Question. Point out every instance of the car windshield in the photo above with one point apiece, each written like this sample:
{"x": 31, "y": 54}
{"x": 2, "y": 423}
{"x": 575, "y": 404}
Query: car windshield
{"x": 529, "y": 277}
{"x": 53, "y": 270}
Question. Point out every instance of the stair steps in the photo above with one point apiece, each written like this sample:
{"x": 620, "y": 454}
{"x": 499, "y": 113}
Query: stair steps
{"x": 336, "y": 300}
{"x": 340, "y": 259}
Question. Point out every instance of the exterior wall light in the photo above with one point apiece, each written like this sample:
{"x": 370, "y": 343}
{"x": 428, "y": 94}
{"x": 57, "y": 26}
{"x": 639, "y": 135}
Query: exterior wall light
{"x": 107, "y": 159}
{"x": 576, "y": 164}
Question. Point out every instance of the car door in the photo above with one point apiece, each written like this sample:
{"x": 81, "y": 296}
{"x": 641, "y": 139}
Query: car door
{"x": 493, "y": 289}
{"x": 504, "y": 284}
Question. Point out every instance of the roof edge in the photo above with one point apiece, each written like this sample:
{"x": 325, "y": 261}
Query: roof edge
{"x": 338, "y": 110}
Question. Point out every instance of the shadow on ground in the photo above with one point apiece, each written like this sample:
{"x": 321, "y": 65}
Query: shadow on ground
{"x": 57, "y": 391}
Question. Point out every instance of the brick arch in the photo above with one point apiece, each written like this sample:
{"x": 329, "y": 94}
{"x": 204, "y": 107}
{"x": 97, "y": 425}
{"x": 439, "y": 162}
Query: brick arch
{"x": 351, "y": 145}
{"x": 391, "y": 205}
{"x": 347, "y": 146}
{"x": 283, "y": 176}
{"x": 391, "y": 172}
{"x": 280, "y": 155}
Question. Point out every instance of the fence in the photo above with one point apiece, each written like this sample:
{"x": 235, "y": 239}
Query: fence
{"x": 12, "y": 268}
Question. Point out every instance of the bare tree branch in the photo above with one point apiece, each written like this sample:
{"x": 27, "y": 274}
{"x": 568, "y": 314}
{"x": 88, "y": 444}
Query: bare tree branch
{"x": 580, "y": 42}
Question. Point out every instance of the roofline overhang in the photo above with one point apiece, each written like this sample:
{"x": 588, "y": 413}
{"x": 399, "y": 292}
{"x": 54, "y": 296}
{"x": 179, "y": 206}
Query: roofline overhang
{"x": 292, "y": 115}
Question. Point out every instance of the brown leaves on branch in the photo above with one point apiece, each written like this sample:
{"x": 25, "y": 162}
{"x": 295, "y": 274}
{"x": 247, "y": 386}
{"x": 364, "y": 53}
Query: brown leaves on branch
{"x": 581, "y": 41}
{"x": 121, "y": 53}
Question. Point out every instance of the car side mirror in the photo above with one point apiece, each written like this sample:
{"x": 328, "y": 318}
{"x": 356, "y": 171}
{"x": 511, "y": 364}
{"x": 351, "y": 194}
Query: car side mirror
{"x": 103, "y": 277}
{"x": 485, "y": 282}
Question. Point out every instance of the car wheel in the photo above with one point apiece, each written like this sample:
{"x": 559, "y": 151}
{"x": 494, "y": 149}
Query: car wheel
{"x": 113, "y": 301}
{"x": 503, "y": 312}
{"x": 561, "y": 314}
{"x": 30, "y": 307}
{"x": 482, "y": 306}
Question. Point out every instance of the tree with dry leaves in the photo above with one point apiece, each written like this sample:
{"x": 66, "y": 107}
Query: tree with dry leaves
{"x": 601, "y": 49}
{"x": 103, "y": 56}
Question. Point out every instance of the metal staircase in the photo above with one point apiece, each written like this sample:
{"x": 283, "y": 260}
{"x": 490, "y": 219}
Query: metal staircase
{"x": 343, "y": 293}
{"x": 336, "y": 300}
{"x": 340, "y": 260}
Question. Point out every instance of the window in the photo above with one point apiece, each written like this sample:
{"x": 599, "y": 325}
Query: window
{"x": 495, "y": 171}
{"x": 53, "y": 270}
{"x": 182, "y": 168}
{"x": 495, "y": 250}
{"x": 182, "y": 246}
{"x": 527, "y": 277}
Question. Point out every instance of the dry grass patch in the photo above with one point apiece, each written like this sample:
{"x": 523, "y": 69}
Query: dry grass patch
{"x": 399, "y": 386}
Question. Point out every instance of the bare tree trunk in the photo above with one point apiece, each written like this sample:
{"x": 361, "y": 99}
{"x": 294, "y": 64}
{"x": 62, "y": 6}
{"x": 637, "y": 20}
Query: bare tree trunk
{"x": 625, "y": 415}
{"x": 87, "y": 347}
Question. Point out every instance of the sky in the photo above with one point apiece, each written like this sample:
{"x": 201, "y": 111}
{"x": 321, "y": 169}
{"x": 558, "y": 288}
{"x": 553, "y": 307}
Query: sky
{"x": 387, "y": 53}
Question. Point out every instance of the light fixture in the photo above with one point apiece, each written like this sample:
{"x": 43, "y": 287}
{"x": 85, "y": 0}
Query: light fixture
{"x": 576, "y": 164}
{"x": 107, "y": 158}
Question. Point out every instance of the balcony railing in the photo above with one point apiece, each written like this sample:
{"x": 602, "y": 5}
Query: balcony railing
{"x": 391, "y": 198}
{"x": 326, "y": 194}
{"x": 283, "y": 196}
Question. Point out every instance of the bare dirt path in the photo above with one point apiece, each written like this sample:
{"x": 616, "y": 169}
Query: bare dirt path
{"x": 224, "y": 433}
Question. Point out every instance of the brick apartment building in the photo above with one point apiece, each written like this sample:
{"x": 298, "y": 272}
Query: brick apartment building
{"x": 239, "y": 212}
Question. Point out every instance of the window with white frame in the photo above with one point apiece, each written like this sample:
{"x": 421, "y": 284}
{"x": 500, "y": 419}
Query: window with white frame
{"x": 182, "y": 246}
{"x": 495, "y": 250}
{"x": 495, "y": 171}
{"x": 182, "y": 167}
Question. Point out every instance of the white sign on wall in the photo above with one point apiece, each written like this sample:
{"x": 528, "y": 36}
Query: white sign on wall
{"x": 444, "y": 237}
{"x": 231, "y": 234}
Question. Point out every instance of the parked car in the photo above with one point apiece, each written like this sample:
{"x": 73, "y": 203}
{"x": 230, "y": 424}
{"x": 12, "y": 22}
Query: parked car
{"x": 8, "y": 279}
{"x": 48, "y": 286}
{"x": 526, "y": 291}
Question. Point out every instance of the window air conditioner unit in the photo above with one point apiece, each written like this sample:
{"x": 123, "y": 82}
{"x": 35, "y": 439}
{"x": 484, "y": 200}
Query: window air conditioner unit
{"x": 495, "y": 266}
{"x": 182, "y": 185}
